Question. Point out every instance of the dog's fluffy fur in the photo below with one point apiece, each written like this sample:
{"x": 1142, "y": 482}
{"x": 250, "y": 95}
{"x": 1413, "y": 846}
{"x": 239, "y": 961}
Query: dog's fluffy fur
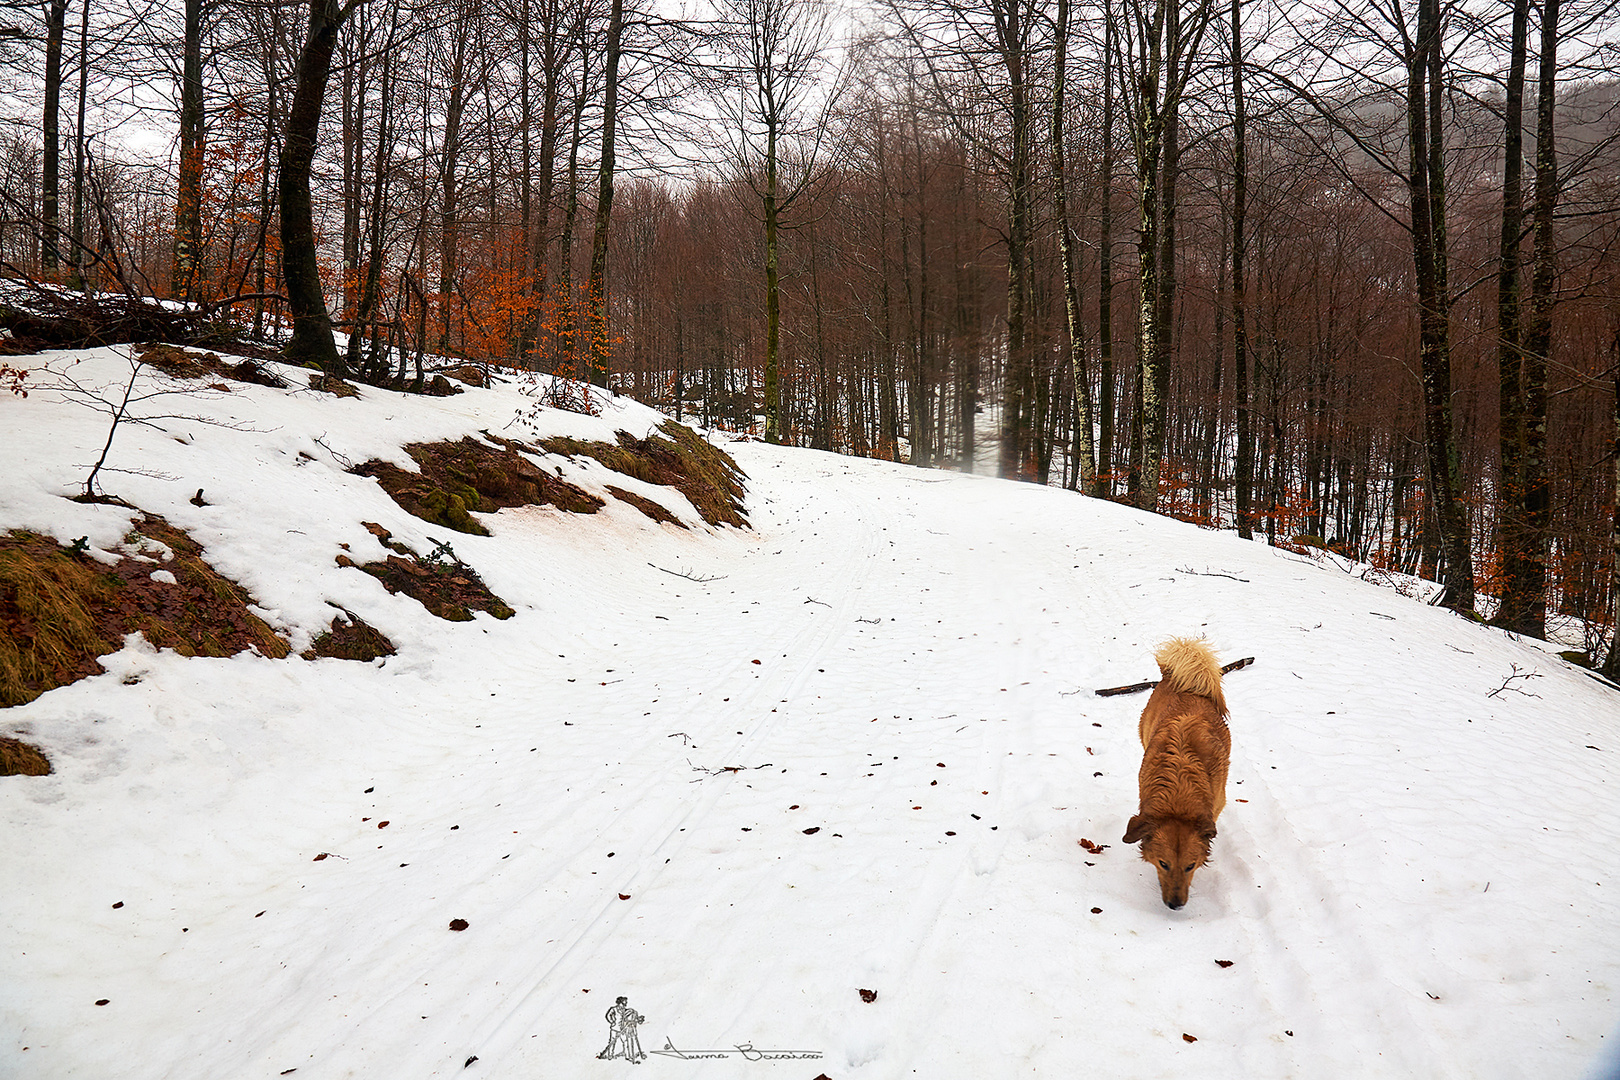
{"x": 1185, "y": 751}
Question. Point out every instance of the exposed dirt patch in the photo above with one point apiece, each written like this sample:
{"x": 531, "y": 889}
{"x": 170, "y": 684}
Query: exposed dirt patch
{"x": 680, "y": 459}
{"x": 439, "y": 386}
{"x": 331, "y": 384}
{"x": 441, "y": 582}
{"x": 59, "y": 610}
{"x": 184, "y": 364}
{"x": 460, "y": 478}
{"x": 17, "y": 758}
{"x": 471, "y": 374}
{"x": 351, "y": 638}
{"x": 655, "y": 510}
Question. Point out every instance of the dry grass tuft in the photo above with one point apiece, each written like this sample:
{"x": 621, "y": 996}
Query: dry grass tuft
{"x": 331, "y": 384}
{"x": 181, "y": 364}
{"x": 351, "y": 638}
{"x": 17, "y": 758}
{"x": 708, "y": 477}
{"x": 464, "y": 477}
{"x": 442, "y": 583}
{"x": 60, "y": 611}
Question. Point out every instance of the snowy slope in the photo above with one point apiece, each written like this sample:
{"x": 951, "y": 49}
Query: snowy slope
{"x": 738, "y": 776}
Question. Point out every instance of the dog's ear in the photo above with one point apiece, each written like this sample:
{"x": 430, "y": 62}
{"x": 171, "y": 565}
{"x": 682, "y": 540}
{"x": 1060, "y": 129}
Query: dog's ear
{"x": 1139, "y": 828}
{"x": 1206, "y": 829}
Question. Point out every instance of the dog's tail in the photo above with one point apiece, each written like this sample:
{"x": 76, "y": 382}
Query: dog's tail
{"x": 1189, "y": 666}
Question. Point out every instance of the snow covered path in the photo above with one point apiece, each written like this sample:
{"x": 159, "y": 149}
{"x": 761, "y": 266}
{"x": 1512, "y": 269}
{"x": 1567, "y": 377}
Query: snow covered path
{"x": 739, "y": 777}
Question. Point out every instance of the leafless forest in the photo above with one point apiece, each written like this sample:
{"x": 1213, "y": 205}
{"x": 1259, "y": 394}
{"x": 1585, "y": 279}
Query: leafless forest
{"x": 1340, "y": 274}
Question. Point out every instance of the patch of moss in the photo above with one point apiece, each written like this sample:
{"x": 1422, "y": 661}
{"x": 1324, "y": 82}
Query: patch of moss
{"x": 351, "y": 638}
{"x": 59, "y": 611}
{"x": 182, "y": 364}
{"x": 680, "y": 458}
{"x": 458, "y": 479}
{"x": 442, "y": 583}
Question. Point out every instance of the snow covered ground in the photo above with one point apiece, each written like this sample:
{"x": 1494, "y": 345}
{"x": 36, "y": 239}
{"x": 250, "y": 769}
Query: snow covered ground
{"x": 738, "y": 777}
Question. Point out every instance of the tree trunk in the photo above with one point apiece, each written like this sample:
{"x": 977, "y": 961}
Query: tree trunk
{"x": 1531, "y": 595}
{"x": 567, "y": 318}
{"x": 1085, "y": 459}
{"x": 1103, "y": 488}
{"x": 600, "y": 345}
{"x": 376, "y": 369}
{"x": 1155, "y": 399}
{"x": 1243, "y": 481}
{"x": 188, "y": 210}
{"x": 1426, "y": 185}
{"x": 1611, "y": 666}
{"x": 311, "y": 341}
{"x": 449, "y": 211}
{"x": 80, "y": 151}
{"x": 1017, "y": 434}
{"x": 50, "y": 186}
{"x": 1511, "y": 535}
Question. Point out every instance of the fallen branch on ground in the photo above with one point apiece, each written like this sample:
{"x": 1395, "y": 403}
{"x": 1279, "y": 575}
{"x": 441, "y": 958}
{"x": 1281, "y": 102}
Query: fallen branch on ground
{"x": 688, "y": 575}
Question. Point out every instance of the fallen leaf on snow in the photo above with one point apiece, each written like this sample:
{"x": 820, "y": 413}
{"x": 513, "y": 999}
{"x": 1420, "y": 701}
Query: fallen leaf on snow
{"x": 458, "y": 924}
{"x": 1224, "y": 963}
{"x": 869, "y": 996}
{"x": 1188, "y": 1038}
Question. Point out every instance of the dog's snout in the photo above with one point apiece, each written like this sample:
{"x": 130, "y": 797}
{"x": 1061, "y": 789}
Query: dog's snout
{"x": 1175, "y": 905}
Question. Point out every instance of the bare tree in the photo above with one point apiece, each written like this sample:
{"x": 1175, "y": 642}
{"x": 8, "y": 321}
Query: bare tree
{"x": 778, "y": 105}
{"x": 188, "y": 210}
{"x": 597, "y": 285}
{"x": 1159, "y": 53}
{"x": 1243, "y": 478}
{"x": 55, "y": 25}
{"x": 1086, "y": 470}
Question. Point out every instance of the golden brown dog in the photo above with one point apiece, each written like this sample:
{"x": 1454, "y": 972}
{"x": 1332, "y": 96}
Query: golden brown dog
{"x": 1185, "y": 751}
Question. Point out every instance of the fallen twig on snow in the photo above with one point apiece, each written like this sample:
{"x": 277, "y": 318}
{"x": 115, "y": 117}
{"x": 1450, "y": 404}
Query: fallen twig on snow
{"x": 708, "y": 772}
{"x": 1210, "y": 573}
{"x": 688, "y": 575}
{"x": 1507, "y": 683}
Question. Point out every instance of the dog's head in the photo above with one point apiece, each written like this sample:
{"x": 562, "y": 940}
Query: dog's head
{"x": 1176, "y": 848}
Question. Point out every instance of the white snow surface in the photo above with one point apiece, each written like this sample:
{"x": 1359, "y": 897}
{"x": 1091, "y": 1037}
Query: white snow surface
{"x": 737, "y": 776}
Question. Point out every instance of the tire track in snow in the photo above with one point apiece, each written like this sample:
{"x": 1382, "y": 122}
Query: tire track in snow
{"x": 664, "y": 839}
